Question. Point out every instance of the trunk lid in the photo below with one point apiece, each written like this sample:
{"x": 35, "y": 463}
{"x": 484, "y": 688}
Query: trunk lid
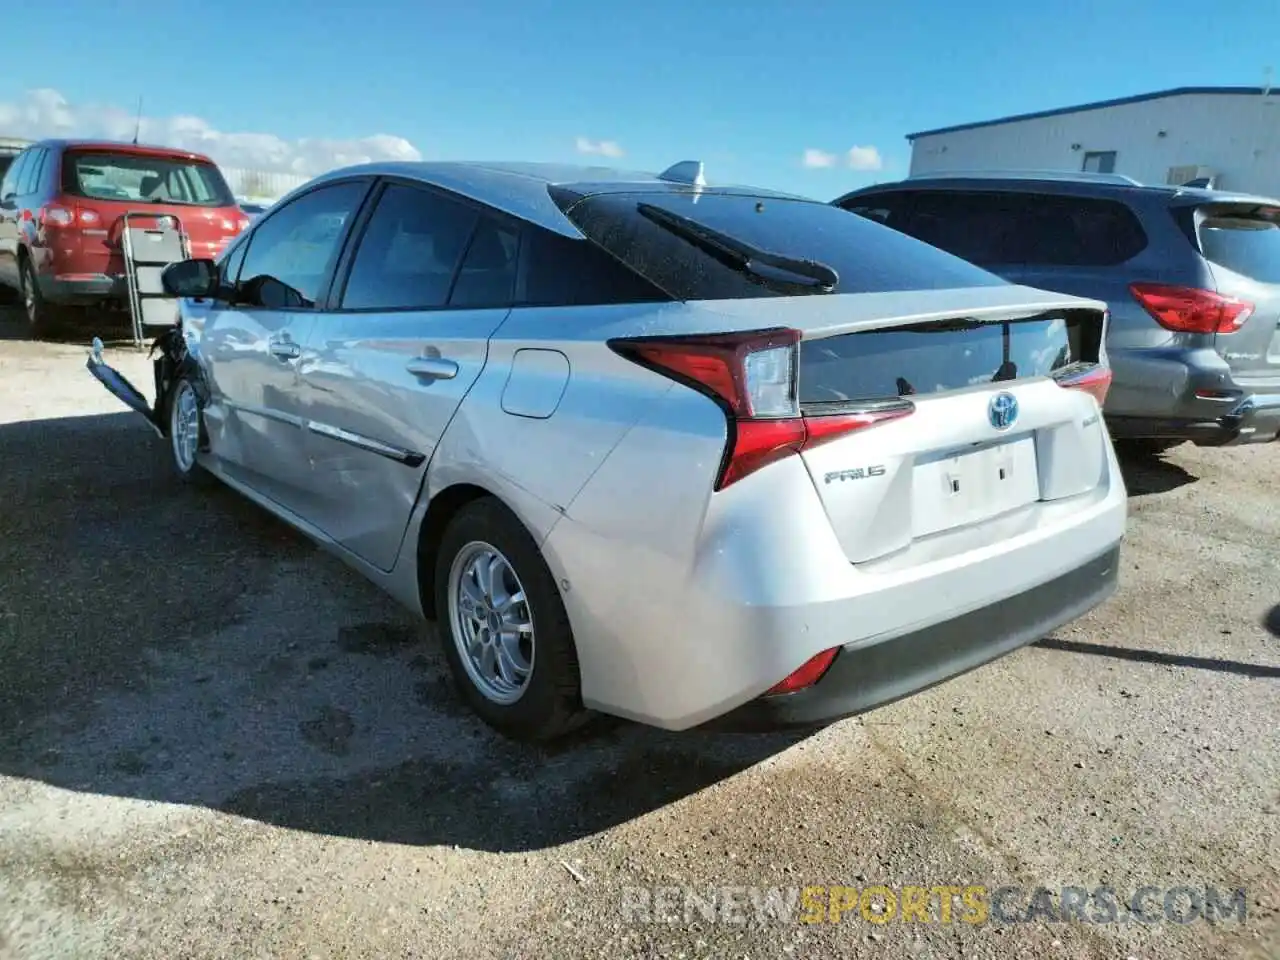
{"x": 994, "y": 445}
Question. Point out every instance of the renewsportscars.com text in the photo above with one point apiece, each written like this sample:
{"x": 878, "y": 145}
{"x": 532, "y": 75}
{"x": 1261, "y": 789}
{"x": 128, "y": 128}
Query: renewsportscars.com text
{"x": 972, "y": 904}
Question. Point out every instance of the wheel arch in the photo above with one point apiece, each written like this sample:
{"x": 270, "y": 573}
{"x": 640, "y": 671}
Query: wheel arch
{"x": 440, "y": 510}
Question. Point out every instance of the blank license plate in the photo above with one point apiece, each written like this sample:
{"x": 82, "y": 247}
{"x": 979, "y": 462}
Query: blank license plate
{"x": 959, "y": 489}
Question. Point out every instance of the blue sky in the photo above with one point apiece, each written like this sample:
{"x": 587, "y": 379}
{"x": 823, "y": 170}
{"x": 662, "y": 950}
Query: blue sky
{"x": 745, "y": 86}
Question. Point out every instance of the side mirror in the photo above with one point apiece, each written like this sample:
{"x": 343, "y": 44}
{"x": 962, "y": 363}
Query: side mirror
{"x": 191, "y": 278}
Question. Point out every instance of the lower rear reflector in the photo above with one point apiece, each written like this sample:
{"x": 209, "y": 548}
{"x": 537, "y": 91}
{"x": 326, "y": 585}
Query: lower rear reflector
{"x": 810, "y": 672}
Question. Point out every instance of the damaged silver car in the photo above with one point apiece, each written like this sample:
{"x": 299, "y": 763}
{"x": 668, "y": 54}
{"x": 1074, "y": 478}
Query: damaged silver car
{"x": 680, "y": 453}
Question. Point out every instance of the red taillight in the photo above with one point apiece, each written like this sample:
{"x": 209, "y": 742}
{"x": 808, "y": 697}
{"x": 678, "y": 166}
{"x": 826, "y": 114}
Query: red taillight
{"x": 752, "y": 376}
{"x": 1191, "y": 310}
{"x": 55, "y": 216}
{"x": 810, "y": 672}
{"x": 1096, "y": 381}
{"x": 761, "y": 442}
{"x": 757, "y": 443}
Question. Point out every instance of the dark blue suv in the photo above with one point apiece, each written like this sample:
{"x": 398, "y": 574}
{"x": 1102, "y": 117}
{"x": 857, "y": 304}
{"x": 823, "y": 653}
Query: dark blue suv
{"x": 1192, "y": 278}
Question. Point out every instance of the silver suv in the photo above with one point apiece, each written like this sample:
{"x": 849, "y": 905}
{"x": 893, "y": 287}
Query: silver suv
{"x": 1192, "y": 278}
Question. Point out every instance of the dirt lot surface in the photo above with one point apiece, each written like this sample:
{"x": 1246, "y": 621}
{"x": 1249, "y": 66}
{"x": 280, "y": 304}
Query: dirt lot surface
{"x": 216, "y": 741}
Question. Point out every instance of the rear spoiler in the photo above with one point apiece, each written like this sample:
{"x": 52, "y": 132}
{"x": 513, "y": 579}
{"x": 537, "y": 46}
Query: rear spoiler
{"x": 1251, "y": 206}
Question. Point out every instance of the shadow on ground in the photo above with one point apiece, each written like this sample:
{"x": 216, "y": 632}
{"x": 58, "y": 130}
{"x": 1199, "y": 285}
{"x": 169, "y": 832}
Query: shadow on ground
{"x": 77, "y": 327}
{"x": 1136, "y": 655}
{"x": 1146, "y": 473}
{"x": 180, "y": 645}
{"x": 1271, "y": 622}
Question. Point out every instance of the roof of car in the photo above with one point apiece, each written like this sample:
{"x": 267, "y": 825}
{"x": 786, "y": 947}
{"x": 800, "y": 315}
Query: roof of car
{"x": 118, "y": 146}
{"x": 521, "y": 189}
{"x": 1056, "y": 182}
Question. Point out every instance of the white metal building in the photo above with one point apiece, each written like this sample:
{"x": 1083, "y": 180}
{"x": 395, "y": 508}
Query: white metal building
{"x": 1227, "y": 135}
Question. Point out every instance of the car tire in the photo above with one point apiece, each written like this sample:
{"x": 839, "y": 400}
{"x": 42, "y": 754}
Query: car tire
{"x": 183, "y": 420}
{"x": 483, "y": 645}
{"x": 39, "y": 314}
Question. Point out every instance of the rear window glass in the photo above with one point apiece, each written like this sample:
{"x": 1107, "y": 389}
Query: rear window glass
{"x": 135, "y": 178}
{"x": 929, "y": 358}
{"x": 1247, "y": 246}
{"x": 866, "y": 257}
{"x": 998, "y": 229}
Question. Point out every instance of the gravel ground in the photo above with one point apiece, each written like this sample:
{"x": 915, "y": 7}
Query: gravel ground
{"x": 216, "y": 741}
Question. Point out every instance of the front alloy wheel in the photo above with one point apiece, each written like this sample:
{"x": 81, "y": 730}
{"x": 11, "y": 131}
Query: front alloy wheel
{"x": 186, "y": 431}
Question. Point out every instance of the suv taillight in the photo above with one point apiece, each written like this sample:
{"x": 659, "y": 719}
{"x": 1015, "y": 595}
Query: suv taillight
{"x": 56, "y": 215}
{"x": 752, "y": 376}
{"x": 1190, "y": 309}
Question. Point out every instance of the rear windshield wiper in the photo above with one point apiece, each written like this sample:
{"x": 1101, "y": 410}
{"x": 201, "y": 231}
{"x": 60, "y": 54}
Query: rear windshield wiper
{"x": 743, "y": 256}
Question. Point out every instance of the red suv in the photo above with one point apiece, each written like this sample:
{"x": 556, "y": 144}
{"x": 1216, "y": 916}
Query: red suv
{"x": 62, "y": 204}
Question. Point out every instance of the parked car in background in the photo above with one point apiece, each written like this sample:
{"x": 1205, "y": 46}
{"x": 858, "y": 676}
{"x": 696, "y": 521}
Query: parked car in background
{"x": 251, "y": 209}
{"x": 62, "y": 204}
{"x": 1191, "y": 276}
{"x": 679, "y": 453}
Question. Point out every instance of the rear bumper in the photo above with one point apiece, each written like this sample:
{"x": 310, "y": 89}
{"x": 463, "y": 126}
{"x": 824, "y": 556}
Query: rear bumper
{"x": 119, "y": 386}
{"x": 867, "y": 677}
{"x": 1249, "y": 418}
{"x": 679, "y": 644}
{"x": 1189, "y": 395}
{"x": 83, "y": 289}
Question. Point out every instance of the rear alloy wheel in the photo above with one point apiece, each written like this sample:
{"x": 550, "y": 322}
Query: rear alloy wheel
{"x": 39, "y": 314}
{"x": 185, "y": 429}
{"x": 504, "y": 628}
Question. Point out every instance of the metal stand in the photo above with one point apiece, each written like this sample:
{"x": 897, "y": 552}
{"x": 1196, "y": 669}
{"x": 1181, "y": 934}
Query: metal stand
{"x": 147, "y": 251}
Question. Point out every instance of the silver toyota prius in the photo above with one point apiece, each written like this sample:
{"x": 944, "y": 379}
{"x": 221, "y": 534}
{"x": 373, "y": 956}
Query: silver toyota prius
{"x": 686, "y": 454}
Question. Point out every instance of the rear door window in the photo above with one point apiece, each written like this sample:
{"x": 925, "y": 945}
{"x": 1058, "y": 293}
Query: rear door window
{"x": 487, "y": 275}
{"x": 1007, "y": 229}
{"x": 1249, "y": 246}
{"x": 32, "y": 171}
{"x": 657, "y": 236}
{"x": 16, "y": 174}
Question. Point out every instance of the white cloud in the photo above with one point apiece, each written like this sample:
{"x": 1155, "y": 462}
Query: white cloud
{"x": 865, "y": 158}
{"x": 819, "y": 158}
{"x": 46, "y": 113}
{"x": 605, "y": 148}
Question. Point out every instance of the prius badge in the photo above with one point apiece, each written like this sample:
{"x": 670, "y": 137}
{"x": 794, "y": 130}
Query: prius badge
{"x": 1002, "y": 411}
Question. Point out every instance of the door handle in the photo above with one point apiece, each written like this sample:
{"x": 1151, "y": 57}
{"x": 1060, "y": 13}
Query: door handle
{"x": 434, "y": 368}
{"x": 285, "y": 349}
